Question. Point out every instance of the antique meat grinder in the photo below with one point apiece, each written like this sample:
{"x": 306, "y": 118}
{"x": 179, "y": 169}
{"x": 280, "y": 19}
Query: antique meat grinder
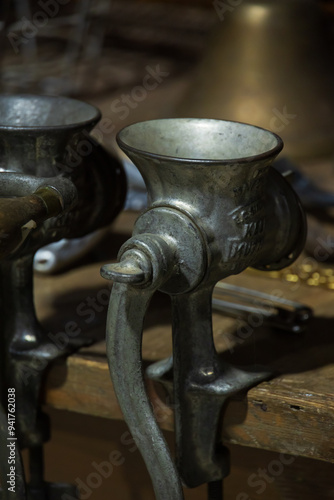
{"x": 216, "y": 206}
{"x": 55, "y": 182}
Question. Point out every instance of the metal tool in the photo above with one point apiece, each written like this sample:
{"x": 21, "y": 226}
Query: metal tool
{"x": 311, "y": 196}
{"x": 275, "y": 312}
{"x": 55, "y": 182}
{"x": 215, "y": 207}
{"x": 64, "y": 253}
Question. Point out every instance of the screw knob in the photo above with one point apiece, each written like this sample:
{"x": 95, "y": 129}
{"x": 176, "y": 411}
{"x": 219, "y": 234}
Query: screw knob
{"x": 124, "y": 272}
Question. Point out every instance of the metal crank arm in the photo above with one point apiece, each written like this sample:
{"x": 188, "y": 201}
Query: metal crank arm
{"x": 126, "y": 313}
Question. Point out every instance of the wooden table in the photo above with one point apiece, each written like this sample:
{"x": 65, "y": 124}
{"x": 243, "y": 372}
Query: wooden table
{"x": 291, "y": 413}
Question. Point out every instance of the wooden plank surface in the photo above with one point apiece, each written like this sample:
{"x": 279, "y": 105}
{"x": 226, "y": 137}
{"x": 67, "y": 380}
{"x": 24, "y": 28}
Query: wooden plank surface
{"x": 291, "y": 413}
{"x": 79, "y": 441}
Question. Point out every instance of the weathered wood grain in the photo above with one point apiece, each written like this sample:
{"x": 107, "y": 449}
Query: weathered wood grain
{"x": 291, "y": 413}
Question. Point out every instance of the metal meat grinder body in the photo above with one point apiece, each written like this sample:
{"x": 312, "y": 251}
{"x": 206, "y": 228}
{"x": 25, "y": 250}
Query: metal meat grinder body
{"x": 216, "y": 206}
{"x": 55, "y": 182}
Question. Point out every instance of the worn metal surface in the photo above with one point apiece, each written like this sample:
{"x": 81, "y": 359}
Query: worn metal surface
{"x": 55, "y": 182}
{"x": 311, "y": 195}
{"x": 216, "y": 207}
{"x": 131, "y": 305}
{"x": 276, "y": 312}
{"x": 19, "y": 216}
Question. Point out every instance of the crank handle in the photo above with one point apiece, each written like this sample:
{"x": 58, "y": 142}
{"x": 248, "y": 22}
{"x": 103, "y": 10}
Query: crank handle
{"x": 19, "y": 216}
{"x": 144, "y": 265}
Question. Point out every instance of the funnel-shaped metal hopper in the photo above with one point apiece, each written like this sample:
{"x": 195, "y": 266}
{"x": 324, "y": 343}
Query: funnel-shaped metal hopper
{"x": 190, "y": 160}
{"x": 35, "y": 131}
{"x": 217, "y": 171}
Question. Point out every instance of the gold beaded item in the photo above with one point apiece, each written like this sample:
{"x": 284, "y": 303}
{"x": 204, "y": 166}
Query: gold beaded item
{"x": 310, "y": 274}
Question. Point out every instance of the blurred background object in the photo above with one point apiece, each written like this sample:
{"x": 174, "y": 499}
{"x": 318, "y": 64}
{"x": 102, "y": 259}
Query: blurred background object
{"x": 271, "y": 63}
{"x": 85, "y": 47}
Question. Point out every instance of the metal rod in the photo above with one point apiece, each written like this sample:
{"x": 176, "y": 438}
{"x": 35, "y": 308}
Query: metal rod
{"x": 276, "y": 312}
{"x": 29, "y": 50}
{"x": 254, "y": 296}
